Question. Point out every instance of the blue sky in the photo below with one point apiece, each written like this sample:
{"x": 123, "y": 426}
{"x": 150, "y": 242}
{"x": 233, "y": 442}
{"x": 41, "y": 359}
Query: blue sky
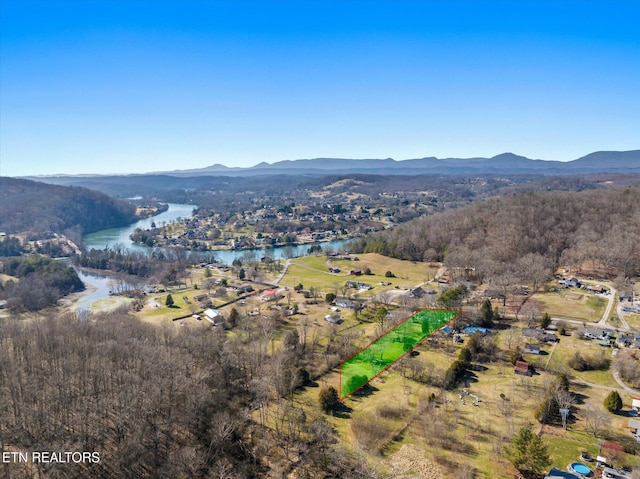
{"x": 137, "y": 86}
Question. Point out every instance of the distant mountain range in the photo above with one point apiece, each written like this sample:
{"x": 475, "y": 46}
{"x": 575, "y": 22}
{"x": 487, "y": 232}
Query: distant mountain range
{"x": 506, "y": 163}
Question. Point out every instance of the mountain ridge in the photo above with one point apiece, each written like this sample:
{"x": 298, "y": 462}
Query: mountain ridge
{"x": 504, "y": 163}
{"x": 507, "y": 163}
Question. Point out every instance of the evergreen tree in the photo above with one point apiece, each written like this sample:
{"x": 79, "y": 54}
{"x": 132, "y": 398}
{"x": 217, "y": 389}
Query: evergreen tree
{"x": 613, "y": 402}
{"x": 233, "y": 317}
{"x": 169, "y": 301}
{"x": 528, "y": 453}
{"x": 486, "y": 316}
{"x": 329, "y": 399}
{"x": 546, "y": 321}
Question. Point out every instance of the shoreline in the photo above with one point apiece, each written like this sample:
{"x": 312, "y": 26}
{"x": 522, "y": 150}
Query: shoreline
{"x": 250, "y": 248}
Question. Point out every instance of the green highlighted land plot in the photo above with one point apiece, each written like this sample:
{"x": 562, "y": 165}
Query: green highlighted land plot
{"x": 358, "y": 370}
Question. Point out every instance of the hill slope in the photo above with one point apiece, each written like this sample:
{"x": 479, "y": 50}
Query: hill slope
{"x": 39, "y": 207}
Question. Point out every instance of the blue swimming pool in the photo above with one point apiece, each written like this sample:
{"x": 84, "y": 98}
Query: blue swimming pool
{"x": 581, "y": 469}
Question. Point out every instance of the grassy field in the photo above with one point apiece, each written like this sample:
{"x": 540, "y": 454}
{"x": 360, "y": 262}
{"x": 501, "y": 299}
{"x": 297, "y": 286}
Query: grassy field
{"x": 361, "y": 368}
{"x": 453, "y": 433}
{"x": 313, "y": 271}
{"x": 572, "y": 303}
{"x": 567, "y": 348}
{"x": 633, "y": 320}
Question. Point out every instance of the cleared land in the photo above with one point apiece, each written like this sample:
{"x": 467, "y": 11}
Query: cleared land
{"x": 313, "y": 272}
{"x": 357, "y": 371}
{"x": 574, "y": 304}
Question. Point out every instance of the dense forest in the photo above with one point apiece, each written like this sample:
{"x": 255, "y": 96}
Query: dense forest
{"x": 30, "y": 206}
{"x": 531, "y": 233}
{"x": 157, "y": 402}
{"x": 42, "y": 282}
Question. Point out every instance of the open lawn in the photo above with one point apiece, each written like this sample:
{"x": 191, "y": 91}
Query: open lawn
{"x": 633, "y": 320}
{"x": 572, "y": 303}
{"x": 565, "y": 350}
{"x": 386, "y": 350}
{"x": 453, "y": 433}
{"x": 313, "y": 271}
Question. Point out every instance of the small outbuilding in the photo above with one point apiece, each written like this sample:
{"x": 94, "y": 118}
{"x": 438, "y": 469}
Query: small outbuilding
{"x": 635, "y": 404}
{"x": 523, "y": 368}
{"x": 333, "y": 318}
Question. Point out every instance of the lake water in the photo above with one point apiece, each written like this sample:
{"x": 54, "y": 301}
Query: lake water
{"x": 120, "y": 237}
{"x": 101, "y": 285}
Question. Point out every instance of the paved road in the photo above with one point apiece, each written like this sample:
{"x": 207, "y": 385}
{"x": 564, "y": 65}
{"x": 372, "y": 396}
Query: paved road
{"x": 623, "y": 322}
{"x": 633, "y": 392}
{"x": 611, "y": 299}
{"x": 283, "y": 272}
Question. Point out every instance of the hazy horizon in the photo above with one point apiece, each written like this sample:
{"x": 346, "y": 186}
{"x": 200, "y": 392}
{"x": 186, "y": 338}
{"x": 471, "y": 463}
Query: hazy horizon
{"x": 138, "y": 87}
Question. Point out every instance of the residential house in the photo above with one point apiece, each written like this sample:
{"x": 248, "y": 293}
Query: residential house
{"x": 532, "y": 348}
{"x": 611, "y": 473}
{"x": 345, "y": 303}
{"x": 270, "y": 294}
{"x": 417, "y": 292}
{"x": 492, "y": 294}
{"x": 245, "y": 288}
{"x": 596, "y": 288}
{"x": 214, "y": 316}
{"x": 555, "y": 473}
{"x": 355, "y": 272}
{"x": 596, "y": 333}
{"x": 333, "y": 269}
{"x": 625, "y": 339}
{"x": 571, "y": 283}
{"x": 357, "y": 285}
{"x": 533, "y": 333}
{"x": 201, "y": 297}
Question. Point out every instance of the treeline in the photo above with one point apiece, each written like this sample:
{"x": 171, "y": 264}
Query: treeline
{"x": 42, "y": 282}
{"x": 11, "y": 246}
{"x": 41, "y": 208}
{"x": 156, "y": 402}
{"x": 128, "y": 262}
{"x": 599, "y": 229}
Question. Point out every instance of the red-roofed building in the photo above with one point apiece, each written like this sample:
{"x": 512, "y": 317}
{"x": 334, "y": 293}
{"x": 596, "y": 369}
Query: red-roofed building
{"x": 270, "y": 295}
{"x": 522, "y": 367}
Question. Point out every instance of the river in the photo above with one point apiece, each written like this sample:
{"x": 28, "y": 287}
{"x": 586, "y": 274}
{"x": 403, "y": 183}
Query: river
{"x": 120, "y": 237}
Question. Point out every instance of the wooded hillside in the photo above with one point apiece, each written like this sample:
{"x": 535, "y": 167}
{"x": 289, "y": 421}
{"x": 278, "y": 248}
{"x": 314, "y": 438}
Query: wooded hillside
{"x": 599, "y": 229}
{"x": 39, "y": 207}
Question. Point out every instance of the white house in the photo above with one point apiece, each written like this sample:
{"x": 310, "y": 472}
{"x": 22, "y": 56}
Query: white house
{"x": 214, "y": 316}
{"x": 635, "y": 404}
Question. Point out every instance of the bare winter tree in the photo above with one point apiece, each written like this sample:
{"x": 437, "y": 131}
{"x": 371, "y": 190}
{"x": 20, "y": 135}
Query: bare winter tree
{"x": 595, "y": 418}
